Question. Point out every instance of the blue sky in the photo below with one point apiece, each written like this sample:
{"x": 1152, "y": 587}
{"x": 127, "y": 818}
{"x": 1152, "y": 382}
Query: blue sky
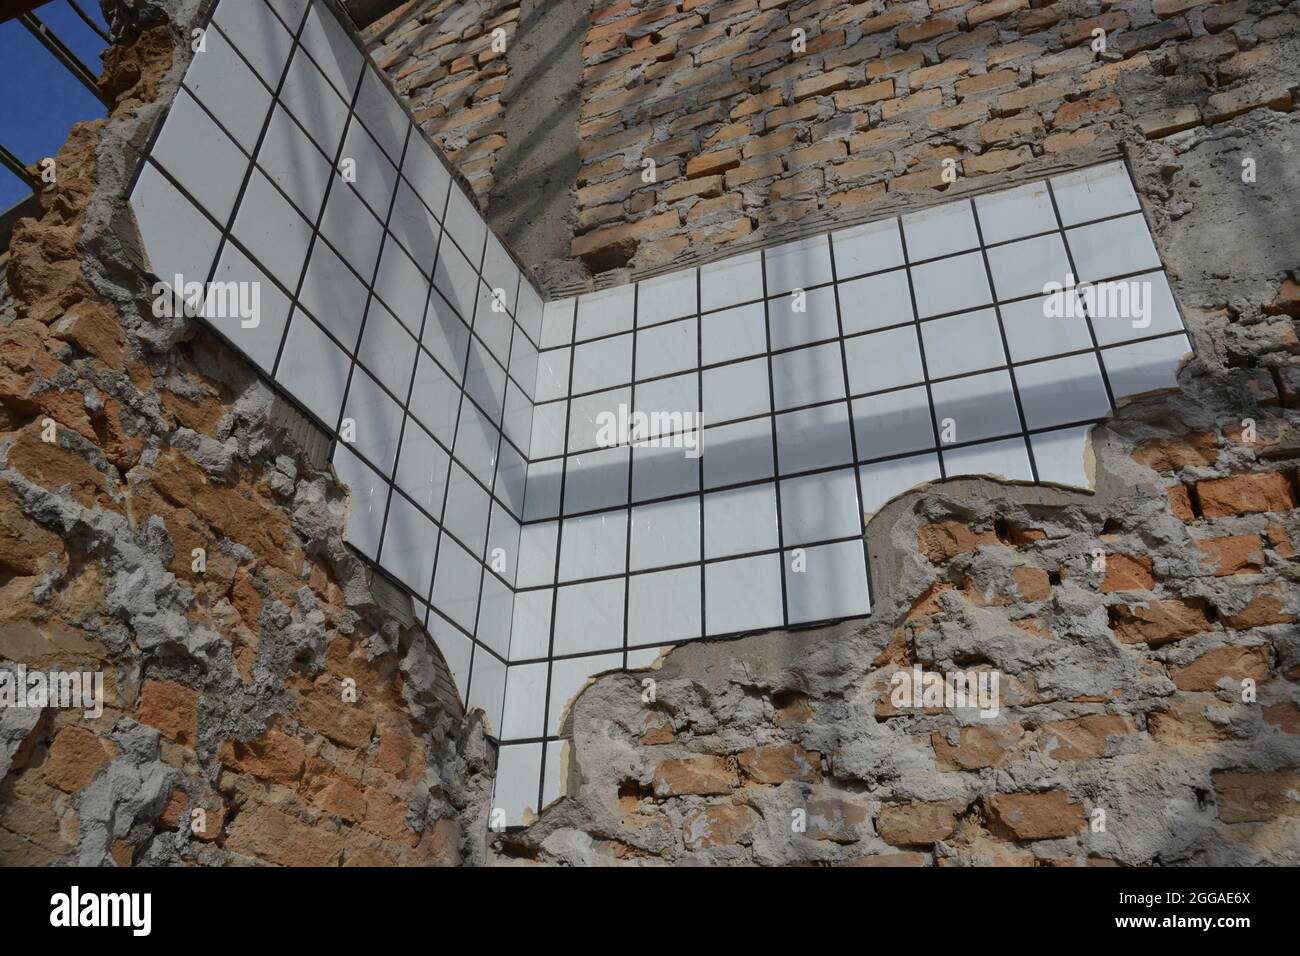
{"x": 42, "y": 99}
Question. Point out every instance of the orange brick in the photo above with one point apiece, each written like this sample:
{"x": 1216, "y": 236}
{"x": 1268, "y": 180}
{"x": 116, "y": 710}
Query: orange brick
{"x": 1245, "y": 494}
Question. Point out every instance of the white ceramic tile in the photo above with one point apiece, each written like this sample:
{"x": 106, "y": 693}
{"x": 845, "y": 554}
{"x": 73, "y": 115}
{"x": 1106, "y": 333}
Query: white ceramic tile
{"x": 885, "y": 480}
{"x": 736, "y": 391}
{"x": 410, "y": 543}
{"x": 1001, "y": 459}
{"x": 538, "y": 542}
{"x": 352, "y": 229}
{"x": 368, "y": 497}
{"x": 457, "y": 649}
{"x": 1062, "y": 390}
{"x": 256, "y": 32}
{"x": 1061, "y": 456}
{"x": 525, "y": 702}
{"x": 512, "y": 475}
{"x": 387, "y": 350}
{"x": 530, "y": 631}
{"x": 981, "y": 406}
{"x": 229, "y": 89}
{"x": 663, "y": 606}
{"x": 968, "y": 342}
{"x": 802, "y": 318}
{"x": 1027, "y": 266}
{"x": 477, "y": 440}
{"x": 485, "y": 380}
{"x": 568, "y": 677}
{"x": 402, "y": 287}
{"x": 542, "y": 489}
{"x": 666, "y": 297}
{"x": 593, "y": 546}
{"x": 425, "y": 171}
{"x": 503, "y": 544}
{"x": 466, "y": 226}
{"x": 885, "y": 359}
{"x": 523, "y": 361}
{"x": 820, "y": 507}
{"x": 666, "y": 470}
{"x": 422, "y": 469}
{"x": 1135, "y": 308}
{"x": 557, "y": 323}
{"x": 529, "y": 311}
{"x": 1094, "y": 192}
{"x": 487, "y": 690}
{"x": 804, "y": 376}
{"x": 456, "y": 279}
{"x": 1112, "y": 248}
{"x": 644, "y": 657}
{"x": 1144, "y": 366}
{"x": 376, "y": 177}
{"x": 552, "y": 374}
{"x": 665, "y": 533}
{"x": 596, "y": 479}
{"x": 445, "y": 336}
{"x": 731, "y": 281}
{"x": 178, "y": 239}
{"x": 605, "y": 363}
{"x": 276, "y": 236}
{"x": 517, "y": 421}
{"x": 292, "y": 161}
{"x": 314, "y": 103}
{"x": 605, "y": 312}
{"x": 414, "y": 227}
{"x": 495, "y": 609}
{"x": 743, "y": 595}
{"x": 201, "y": 157}
{"x": 669, "y": 406}
{"x": 1037, "y": 328}
{"x": 1015, "y": 213}
{"x": 875, "y": 302}
{"x": 435, "y": 399}
{"x": 518, "y": 777}
{"x": 872, "y": 247}
{"x": 334, "y": 295}
{"x": 893, "y": 423}
{"x": 825, "y": 582}
{"x": 940, "y": 231}
{"x": 383, "y": 117}
{"x": 797, "y": 265}
{"x": 501, "y": 273}
{"x": 740, "y": 520}
{"x": 258, "y": 331}
{"x": 493, "y": 325}
{"x": 813, "y": 438}
{"x": 376, "y": 421}
{"x": 589, "y": 617}
{"x": 313, "y": 369}
{"x": 332, "y": 49}
{"x": 466, "y": 511}
{"x": 950, "y": 285}
{"x": 667, "y": 348}
{"x": 734, "y": 333}
{"x": 590, "y": 417}
{"x": 554, "y": 763}
{"x": 456, "y": 584}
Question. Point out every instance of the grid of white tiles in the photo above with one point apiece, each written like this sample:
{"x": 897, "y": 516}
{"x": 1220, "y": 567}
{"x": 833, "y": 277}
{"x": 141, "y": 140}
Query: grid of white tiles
{"x": 831, "y": 374}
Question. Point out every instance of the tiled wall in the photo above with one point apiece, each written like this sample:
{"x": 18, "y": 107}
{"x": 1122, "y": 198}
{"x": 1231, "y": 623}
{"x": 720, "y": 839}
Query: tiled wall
{"x": 831, "y": 374}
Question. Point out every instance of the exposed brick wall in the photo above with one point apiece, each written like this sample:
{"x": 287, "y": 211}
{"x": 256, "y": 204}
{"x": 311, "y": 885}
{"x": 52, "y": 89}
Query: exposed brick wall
{"x": 750, "y": 136}
{"x": 277, "y": 689}
{"x": 441, "y": 56}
